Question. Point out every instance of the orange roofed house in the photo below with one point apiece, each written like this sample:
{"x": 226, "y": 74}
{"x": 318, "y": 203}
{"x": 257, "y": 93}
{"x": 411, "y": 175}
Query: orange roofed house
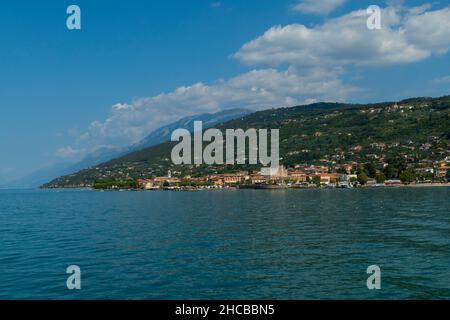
{"x": 297, "y": 176}
{"x": 328, "y": 178}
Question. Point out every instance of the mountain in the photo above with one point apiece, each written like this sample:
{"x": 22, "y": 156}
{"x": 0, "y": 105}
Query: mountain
{"x": 163, "y": 134}
{"x": 158, "y": 136}
{"x": 40, "y": 176}
{"x": 101, "y": 155}
{"x": 412, "y": 132}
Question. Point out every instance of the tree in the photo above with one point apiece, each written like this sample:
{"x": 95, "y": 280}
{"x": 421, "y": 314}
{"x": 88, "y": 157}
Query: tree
{"x": 341, "y": 171}
{"x": 424, "y": 176}
{"x": 316, "y": 180}
{"x": 391, "y": 172}
{"x": 370, "y": 170}
{"x": 448, "y": 174}
{"x": 362, "y": 178}
{"x": 408, "y": 176}
{"x": 395, "y": 167}
{"x": 380, "y": 177}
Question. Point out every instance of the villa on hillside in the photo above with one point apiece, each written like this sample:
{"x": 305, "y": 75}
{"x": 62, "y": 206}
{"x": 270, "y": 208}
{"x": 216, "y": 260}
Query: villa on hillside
{"x": 442, "y": 169}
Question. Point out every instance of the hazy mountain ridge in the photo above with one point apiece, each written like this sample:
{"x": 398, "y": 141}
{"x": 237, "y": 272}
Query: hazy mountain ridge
{"x": 104, "y": 154}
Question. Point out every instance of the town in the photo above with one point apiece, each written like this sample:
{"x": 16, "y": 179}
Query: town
{"x": 347, "y": 146}
{"x": 349, "y": 175}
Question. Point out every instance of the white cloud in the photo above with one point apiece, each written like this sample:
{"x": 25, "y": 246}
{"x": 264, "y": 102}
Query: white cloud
{"x": 257, "y": 90}
{"x": 441, "y": 80}
{"x": 321, "y": 7}
{"x": 429, "y": 31}
{"x": 419, "y": 9}
{"x": 405, "y": 37}
{"x": 122, "y": 106}
{"x": 69, "y": 152}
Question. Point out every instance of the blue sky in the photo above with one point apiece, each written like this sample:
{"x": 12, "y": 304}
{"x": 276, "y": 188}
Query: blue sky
{"x": 137, "y": 65}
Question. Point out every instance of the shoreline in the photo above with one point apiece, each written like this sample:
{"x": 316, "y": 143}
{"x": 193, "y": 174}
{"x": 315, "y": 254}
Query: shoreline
{"x": 423, "y": 185}
{"x": 257, "y": 187}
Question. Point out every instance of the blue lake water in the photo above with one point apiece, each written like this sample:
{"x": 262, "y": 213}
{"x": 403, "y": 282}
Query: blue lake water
{"x": 245, "y": 244}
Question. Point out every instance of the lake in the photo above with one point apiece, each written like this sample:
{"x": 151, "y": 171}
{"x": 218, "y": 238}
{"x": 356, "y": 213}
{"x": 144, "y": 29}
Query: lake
{"x": 238, "y": 244}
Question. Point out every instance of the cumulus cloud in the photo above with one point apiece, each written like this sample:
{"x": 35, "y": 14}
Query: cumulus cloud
{"x": 406, "y": 36}
{"x": 429, "y": 31}
{"x": 257, "y": 90}
{"x": 321, "y": 7}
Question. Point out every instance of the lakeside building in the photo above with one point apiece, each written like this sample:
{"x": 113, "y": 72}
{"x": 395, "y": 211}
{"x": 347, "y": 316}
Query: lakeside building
{"x": 227, "y": 178}
{"x": 148, "y": 184}
{"x": 329, "y": 173}
{"x": 274, "y": 173}
{"x": 233, "y": 178}
{"x": 441, "y": 169}
{"x": 169, "y": 180}
{"x": 257, "y": 179}
{"x": 425, "y": 170}
{"x": 297, "y": 176}
{"x": 315, "y": 170}
{"x": 157, "y": 183}
{"x": 328, "y": 178}
{"x": 393, "y": 183}
{"x": 217, "y": 180}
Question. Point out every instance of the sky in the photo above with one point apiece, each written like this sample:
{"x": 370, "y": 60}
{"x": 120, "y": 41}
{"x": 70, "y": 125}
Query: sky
{"x": 137, "y": 65}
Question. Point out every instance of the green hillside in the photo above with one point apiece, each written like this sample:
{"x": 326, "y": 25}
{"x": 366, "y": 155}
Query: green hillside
{"x": 411, "y": 133}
